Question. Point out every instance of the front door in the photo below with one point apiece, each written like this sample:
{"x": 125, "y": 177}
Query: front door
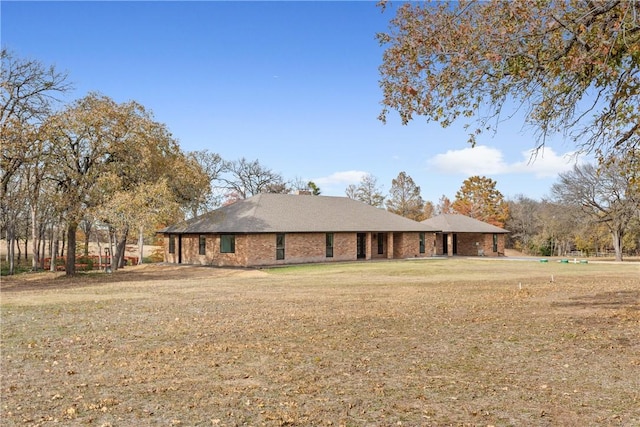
{"x": 455, "y": 244}
{"x": 445, "y": 244}
{"x": 362, "y": 245}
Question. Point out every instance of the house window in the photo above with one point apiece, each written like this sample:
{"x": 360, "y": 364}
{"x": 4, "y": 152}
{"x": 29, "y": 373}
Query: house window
{"x": 495, "y": 242}
{"x": 280, "y": 246}
{"x": 422, "y": 243}
{"x": 380, "y": 243}
{"x": 329, "y": 240}
{"x": 202, "y": 245}
{"x": 227, "y": 243}
{"x": 172, "y": 244}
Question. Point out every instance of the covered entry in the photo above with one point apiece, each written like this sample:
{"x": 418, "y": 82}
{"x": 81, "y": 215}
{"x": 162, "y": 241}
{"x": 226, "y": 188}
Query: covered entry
{"x": 449, "y": 244}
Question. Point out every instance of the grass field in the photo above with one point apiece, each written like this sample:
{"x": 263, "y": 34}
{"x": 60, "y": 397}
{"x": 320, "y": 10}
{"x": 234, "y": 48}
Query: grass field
{"x": 415, "y": 343}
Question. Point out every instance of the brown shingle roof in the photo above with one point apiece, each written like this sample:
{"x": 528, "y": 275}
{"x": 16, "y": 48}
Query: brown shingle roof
{"x": 456, "y": 223}
{"x": 287, "y": 213}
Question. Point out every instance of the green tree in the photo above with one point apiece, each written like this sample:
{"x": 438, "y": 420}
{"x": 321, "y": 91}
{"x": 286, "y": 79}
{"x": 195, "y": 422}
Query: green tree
{"x": 404, "y": 198}
{"x": 571, "y": 66}
{"x": 367, "y": 191}
{"x": 315, "y": 190}
{"x": 479, "y": 199}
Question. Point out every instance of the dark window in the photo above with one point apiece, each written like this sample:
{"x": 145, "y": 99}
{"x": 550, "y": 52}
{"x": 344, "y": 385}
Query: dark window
{"x": 329, "y": 240}
{"x": 172, "y": 244}
{"x": 280, "y": 246}
{"x": 361, "y": 245}
{"x": 422, "y": 243}
{"x": 495, "y": 242}
{"x": 202, "y": 245}
{"x": 227, "y": 243}
{"x": 380, "y": 243}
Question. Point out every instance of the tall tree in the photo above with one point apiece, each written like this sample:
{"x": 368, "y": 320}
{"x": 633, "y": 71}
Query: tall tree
{"x": 367, "y": 191}
{"x": 102, "y": 150}
{"x": 571, "y": 66}
{"x": 404, "y": 198}
{"x": 479, "y": 199}
{"x": 205, "y": 199}
{"x": 609, "y": 195}
{"x": 29, "y": 92}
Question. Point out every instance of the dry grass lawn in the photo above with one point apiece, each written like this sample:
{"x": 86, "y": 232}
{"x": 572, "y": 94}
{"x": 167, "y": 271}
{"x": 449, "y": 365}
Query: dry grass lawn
{"x": 415, "y": 343}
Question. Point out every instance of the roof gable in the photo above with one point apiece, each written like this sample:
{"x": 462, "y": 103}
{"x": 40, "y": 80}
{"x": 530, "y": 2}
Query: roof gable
{"x": 287, "y": 213}
{"x": 457, "y": 223}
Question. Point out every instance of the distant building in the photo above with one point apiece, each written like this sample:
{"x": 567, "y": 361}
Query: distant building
{"x": 462, "y": 235}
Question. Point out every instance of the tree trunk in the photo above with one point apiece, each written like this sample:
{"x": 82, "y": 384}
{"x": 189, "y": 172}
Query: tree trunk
{"x": 99, "y": 252}
{"x": 87, "y": 233}
{"x": 70, "y": 266}
{"x": 10, "y": 248}
{"x": 112, "y": 252}
{"x": 42, "y": 238}
{"x": 617, "y": 243}
{"x": 140, "y": 245}
{"x": 121, "y": 246}
{"x": 55, "y": 246}
{"x": 35, "y": 243}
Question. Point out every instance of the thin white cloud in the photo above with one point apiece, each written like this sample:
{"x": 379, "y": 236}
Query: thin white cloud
{"x": 336, "y": 183}
{"x": 544, "y": 164}
{"x": 483, "y": 160}
{"x": 341, "y": 178}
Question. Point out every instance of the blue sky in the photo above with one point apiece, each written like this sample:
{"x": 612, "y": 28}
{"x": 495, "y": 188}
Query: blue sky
{"x": 292, "y": 84}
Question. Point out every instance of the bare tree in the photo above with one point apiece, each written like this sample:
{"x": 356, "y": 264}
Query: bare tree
{"x": 247, "y": 178}
{"x": 524, "y": 222}
{"x": 608, "y": 195}
{"x": 367, "y": 191}
{"x": 212, "y": 165}
{"x": 444, "y": 206}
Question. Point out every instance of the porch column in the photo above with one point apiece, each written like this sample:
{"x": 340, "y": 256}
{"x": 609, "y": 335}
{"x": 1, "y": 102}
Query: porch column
{"x": 390, "y": 245}
{"x": 450, "y": 244}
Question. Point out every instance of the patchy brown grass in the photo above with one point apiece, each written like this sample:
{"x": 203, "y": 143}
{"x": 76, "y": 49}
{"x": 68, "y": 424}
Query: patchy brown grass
{"x": 431, "y": 343}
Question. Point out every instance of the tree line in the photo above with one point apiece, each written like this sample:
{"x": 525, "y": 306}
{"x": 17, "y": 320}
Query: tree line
{"x": 112, "y": 171}
{"x": 590, "y": 210}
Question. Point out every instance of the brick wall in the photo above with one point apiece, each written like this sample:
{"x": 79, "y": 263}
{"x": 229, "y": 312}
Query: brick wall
{"x": 407, "y": 245}
{"x": 260, "y": 249}
{"x": 466, "y": 244}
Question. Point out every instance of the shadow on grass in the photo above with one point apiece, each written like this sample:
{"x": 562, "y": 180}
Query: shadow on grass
{"x": 610, "y": 300}
{"x": 145, "y": 273}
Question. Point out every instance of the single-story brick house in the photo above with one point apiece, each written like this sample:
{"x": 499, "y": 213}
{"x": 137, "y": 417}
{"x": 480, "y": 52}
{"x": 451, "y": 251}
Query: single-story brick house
{"x": 463, "y": 235}
{"x": 273, "y": 229}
